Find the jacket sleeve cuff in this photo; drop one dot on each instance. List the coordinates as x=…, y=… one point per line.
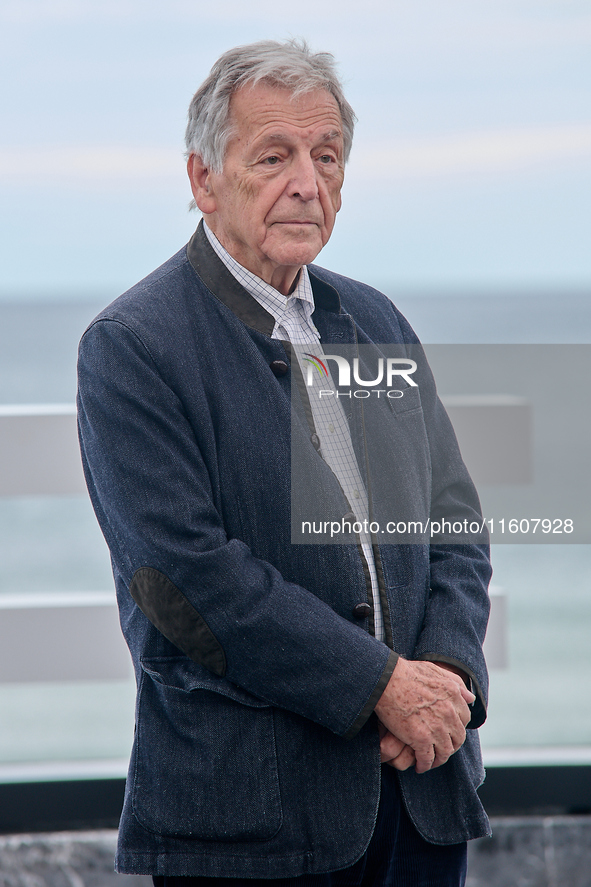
x=374, y=698
x=478, y=707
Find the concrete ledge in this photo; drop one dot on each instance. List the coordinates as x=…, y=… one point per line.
x=63, y=859
x=553, y=851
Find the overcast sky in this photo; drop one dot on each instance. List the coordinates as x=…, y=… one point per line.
x=471, y=168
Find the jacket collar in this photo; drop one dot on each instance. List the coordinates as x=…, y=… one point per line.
x=232, y=294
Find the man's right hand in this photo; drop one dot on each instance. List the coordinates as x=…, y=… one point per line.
x=425, y=707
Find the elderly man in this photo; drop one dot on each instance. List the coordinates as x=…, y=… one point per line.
x=302, y=708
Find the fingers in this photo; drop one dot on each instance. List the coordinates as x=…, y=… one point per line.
x=390, y=746
x=443, y=743
x=405, y=760
x=398, y=754
x=467, y=695
x=430, y=755
x=394, y=752
x=425, y=759
x=444, y=752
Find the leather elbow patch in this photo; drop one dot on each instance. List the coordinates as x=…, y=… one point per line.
x=177, y=619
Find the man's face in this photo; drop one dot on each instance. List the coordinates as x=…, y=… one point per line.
x=273, y=206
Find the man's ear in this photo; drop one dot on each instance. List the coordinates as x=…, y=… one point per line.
x=199, y=176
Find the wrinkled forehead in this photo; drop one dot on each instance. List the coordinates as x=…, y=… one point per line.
x=260, y=106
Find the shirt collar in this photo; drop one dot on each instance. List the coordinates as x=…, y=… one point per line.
x=266, y=295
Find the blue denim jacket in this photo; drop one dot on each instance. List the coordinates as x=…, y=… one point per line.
x=256, y=752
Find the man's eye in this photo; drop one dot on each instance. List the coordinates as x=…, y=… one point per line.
x=272, y=160
x=326, y=158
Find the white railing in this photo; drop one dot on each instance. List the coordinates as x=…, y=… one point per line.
x=39, y=450
x=48, y=636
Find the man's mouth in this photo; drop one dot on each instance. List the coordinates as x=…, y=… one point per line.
x=295, y=222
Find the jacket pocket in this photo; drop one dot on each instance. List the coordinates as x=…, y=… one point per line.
x=204, y=755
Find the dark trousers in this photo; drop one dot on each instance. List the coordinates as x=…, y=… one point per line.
x=397, y=856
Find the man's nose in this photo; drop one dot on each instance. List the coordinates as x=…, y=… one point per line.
x=304, y=183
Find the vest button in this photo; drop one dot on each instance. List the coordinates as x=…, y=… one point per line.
x=350, y=517
x=279, y=367
x=315, y=441
x=361, y=611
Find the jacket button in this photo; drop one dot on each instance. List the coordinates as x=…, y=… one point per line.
x=350, y=517
x=361, y=611
x=279, y=367
x=315, y=441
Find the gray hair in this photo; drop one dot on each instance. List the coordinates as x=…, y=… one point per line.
x=290, y=65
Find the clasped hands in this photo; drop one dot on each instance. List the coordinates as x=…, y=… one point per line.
x=422, y=714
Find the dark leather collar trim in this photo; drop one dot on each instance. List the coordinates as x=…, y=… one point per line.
x=325, y=295
x=226, y=288
x=224, y=285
